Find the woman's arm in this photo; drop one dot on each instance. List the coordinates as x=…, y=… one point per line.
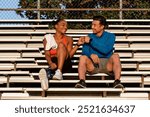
x=48, y=56
x=72, y=50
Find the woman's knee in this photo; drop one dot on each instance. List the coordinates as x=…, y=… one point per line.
x=61, y=46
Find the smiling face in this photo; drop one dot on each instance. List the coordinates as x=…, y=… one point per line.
x=61, y=26
x=97, y=27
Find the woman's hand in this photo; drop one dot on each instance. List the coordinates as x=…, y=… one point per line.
x=53, y=66
x=83, y=40
x=80, y=41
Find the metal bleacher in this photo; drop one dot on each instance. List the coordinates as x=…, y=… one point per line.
x=22, y=56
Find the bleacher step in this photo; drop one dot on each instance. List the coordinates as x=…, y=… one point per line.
x=134, y=95
x=14, y=95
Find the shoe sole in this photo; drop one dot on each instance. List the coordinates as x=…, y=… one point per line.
x=43, y=79
x=119, y=86
x=79, y=86
x=55, y=78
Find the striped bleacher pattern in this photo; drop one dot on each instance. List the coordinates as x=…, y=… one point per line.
x=22, y=56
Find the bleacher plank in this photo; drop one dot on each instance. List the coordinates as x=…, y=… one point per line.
x=23, y=26
x=137, y=89
x=30, y=55
x=22, y=32
x=32, y=65
x=11, y=73
x=129, y=26
x=19, y=49
x=74, y=81
x=134, y=95
x=74, y=20
x=142, y=74
x=14, y=95
x=72, y=31
x=20, y=40
x=17, y=59
x=3, y=89
x=98, y=90
x=77, y=90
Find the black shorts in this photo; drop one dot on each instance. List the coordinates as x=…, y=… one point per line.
x=67, y=67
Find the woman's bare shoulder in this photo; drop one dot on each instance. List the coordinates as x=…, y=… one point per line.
x=69, y=38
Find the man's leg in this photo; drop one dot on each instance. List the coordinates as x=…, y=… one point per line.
x=114, y=65
x=62, y=55
x=85, y=64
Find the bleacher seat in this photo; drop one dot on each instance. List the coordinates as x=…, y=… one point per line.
x=22, y=56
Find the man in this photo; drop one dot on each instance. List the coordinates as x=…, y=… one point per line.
x=97, y=54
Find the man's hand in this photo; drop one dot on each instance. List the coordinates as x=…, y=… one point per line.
x=83, y=40
x=95, y=58
x=86, y=39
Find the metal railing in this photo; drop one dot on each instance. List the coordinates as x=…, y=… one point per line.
x=119, y=12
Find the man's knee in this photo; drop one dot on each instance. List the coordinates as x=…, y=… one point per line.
x=114, y=60
x=83, y=57
x=116, y=57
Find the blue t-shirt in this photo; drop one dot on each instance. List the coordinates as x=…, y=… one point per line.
x=101, y=46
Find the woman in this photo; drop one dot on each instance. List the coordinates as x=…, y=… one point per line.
x=58, y=52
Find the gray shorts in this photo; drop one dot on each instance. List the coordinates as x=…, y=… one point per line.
x=101, y=67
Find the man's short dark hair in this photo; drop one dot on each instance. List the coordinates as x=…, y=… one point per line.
x=101, y=19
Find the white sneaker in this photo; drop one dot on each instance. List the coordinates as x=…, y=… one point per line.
x=44, y=79
x=58, y=75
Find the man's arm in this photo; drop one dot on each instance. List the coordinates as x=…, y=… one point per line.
x=74, y=49
x=86, y=50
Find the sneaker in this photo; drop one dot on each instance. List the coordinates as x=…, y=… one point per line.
x=50, y=73
x=57, y=75
x=44, y=79
x=81, y=84
x=117, y=84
